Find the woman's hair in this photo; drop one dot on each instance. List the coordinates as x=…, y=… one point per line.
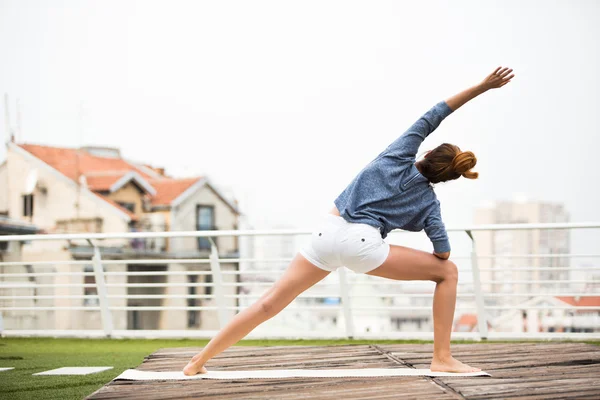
x=446, y=162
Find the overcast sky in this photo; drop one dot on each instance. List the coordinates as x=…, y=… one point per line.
x=281, y=103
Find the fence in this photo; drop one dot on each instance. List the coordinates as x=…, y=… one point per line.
x=474, y=293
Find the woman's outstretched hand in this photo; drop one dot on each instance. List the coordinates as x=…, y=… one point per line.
x=498, y=78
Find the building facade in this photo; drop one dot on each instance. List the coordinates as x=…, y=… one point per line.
x=525, y=262
x=96, y=190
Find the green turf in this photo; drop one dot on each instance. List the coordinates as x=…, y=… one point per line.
x=31, y=355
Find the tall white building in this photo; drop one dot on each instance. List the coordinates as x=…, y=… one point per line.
x=522, y=264
x=512, y=244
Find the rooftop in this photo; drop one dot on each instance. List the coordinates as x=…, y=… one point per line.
x=518, y=370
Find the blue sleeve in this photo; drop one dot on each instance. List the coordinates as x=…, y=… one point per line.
x=407, y=145
x=436, y=231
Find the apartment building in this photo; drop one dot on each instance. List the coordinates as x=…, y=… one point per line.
x=94, y=190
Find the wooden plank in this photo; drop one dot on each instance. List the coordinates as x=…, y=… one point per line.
x=565, y=392
x=354, y=356
x=521, y=370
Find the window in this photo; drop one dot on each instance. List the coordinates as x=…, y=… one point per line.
x=135, y=321
x=89, y=279
x=208, y=290
x=128, y=206
x=193, y=320
x=28, y=205
x=205, y=221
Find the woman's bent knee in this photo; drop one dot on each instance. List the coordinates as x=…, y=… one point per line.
x=451, y=271
x=448, y=272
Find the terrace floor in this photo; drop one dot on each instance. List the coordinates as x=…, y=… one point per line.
x=519, y=371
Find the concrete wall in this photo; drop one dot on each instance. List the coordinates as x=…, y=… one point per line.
x=42, y=319
x=129, y=193
x=63, y=199
x=208, y=319
x=91, y=319
x=184, y=219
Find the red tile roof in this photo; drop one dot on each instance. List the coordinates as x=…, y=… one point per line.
x=468, y=319
x=583, y=301
x=103, y=182
x=102, y=172
x=123, y=209
x=168, y=190
x=73, y=162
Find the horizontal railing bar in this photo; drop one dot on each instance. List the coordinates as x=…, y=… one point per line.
x=558, y=255
x=154, y=261
x=254, y=272
x=200, y=308
x=312, y=334
x=124, y=273
x=543, y=307
x=534, y=281
x=41, y=263
x=136, y=273
x=502, y=269
x=240, y=284
x=158, y=308
x=152, y=235
x=532, y=295
x=30, y=285
x=273, y=232
x=538, y=307
x=307, y=308
x=150, y=261
x=43, y=308
x=302, y=296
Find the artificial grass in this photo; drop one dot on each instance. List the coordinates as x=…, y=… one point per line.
x=31, y=355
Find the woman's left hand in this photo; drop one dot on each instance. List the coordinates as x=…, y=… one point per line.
x=498, y=78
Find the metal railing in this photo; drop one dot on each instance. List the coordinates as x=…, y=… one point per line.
x=342, y=299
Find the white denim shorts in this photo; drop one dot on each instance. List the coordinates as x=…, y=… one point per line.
x=337, y=243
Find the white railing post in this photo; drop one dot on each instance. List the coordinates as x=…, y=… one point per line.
x=107, y=322
x=479, y=301
x=345, y=295
x=215, y=268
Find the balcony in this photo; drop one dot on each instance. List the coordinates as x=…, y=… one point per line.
x=368, y=307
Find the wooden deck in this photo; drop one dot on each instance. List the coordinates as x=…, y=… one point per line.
x=519, y=371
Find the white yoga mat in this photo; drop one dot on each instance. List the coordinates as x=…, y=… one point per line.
x=136, y=375
x=6, y=369
x=74, y=371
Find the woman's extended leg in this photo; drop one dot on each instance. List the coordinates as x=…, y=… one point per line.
x=299, y=276
x=407, y=264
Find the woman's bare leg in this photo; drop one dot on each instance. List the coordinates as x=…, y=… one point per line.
x=407, y=264
x=299, y=276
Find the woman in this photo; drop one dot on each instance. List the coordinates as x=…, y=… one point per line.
x=393, y=192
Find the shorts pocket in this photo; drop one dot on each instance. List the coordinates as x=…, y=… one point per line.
x=361, y=244
x=322, y=243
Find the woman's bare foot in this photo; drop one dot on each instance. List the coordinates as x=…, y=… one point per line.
x=450, y=364
x=194, y=367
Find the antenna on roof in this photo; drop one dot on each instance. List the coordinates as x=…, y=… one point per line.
x=80, y=178
x=9, y=132
x=19, y=133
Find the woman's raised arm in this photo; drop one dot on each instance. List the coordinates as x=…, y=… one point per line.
x=497, y=79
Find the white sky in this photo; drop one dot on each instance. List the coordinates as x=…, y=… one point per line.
x=281, y=103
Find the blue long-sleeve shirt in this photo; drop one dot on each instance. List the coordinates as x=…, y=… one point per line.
x=390, y=192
